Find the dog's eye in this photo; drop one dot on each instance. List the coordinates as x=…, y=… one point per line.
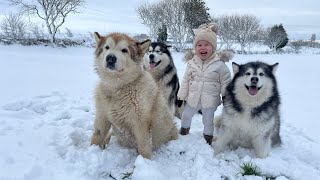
x=261, y=74
x=159, y=52
x=247, y=73
x=124, y=50
x=107, y=47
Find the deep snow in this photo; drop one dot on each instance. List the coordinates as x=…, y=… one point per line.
x=47, y=113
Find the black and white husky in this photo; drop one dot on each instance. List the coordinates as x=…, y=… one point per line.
x=158, y=61
x=250, y=116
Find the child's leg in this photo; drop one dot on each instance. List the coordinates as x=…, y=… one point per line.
x=187, y=115
x=207, y=120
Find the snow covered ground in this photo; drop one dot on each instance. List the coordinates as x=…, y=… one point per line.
x=47, y=112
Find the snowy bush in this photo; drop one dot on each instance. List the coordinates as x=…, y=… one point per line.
x=13, y=27
x=296, y=45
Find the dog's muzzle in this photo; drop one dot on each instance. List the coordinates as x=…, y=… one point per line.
x=111, y=61
x=253, y=89
x=151, y=56
x=152, y=62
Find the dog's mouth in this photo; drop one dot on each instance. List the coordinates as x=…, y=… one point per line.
x=253, y=90
x=154, y=64
x=113, y=69
x=111, y=66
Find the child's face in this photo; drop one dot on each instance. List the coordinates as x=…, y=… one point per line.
x=204, y=49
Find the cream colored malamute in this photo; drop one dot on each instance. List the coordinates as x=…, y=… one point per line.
x=128, y=99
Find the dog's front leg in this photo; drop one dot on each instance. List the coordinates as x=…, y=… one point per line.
x=223, y=139
x=144, y=139
x=101, y=128
x=261, y=146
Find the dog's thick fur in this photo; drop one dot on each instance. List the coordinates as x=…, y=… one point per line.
x=128, y=99
x=158, y=61
x=250, y=116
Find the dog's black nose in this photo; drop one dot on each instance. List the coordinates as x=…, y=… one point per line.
x=254, y=79
x=151, y=56
x=111, y=59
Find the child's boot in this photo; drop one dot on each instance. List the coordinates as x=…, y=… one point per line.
x=208, y=138
x=184, y=131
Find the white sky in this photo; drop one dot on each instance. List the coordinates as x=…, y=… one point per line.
x=300, y=18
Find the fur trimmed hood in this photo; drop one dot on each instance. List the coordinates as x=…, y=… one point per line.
x=224, y=55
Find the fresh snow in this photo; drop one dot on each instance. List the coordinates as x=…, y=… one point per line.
x=47, y=113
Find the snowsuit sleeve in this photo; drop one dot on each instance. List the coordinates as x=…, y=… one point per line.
x=184, y=88
x=225, y=78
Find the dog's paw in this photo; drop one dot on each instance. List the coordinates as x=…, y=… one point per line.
x=217, y=150
x=97, y=140
x=261, y=154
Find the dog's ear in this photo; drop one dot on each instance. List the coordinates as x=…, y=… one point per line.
x=97, y=36
x=144, y=45
x=274, y=68
x=235, y=68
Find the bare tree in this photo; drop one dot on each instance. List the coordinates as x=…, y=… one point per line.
x=53, y=12
x=245, y=29
x=170, y=13
x=13, y=27
x=226, y=34
x=174, y=18
x=297, y=45
x=38, y=32
x=150, y=16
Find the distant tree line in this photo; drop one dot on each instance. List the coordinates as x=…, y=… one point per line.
x=179, y=17
x=169, y=21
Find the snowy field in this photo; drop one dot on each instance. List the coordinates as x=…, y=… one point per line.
x=47, y=113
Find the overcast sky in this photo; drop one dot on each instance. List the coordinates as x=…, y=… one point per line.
x=300, y=18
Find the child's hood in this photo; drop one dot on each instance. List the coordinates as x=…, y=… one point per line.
x=224, y=55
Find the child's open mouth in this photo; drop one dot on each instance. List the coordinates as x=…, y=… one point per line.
x=203, y=53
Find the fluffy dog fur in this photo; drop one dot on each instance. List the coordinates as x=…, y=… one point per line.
x=158, y=61
x=250, y=116
x=127, y=98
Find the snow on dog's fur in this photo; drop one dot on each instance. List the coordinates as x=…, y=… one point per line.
x=128, y=99
x=158, y=61
x=250, y=116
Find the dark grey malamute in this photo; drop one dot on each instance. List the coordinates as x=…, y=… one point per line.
x=250, y=116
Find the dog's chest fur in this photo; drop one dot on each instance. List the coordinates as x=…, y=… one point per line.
x=245, y=126
x=125, y=109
